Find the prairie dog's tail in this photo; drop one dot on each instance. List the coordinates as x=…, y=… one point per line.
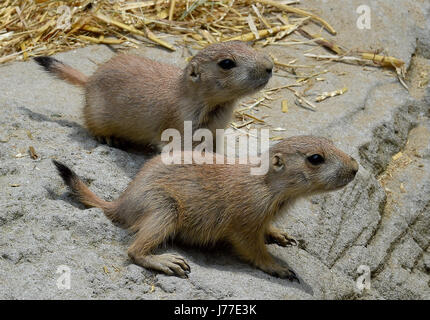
x=62, y=70
x=84, y=194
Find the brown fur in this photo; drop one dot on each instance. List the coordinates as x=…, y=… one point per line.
x=134, y=98
x=205, y=204
x=70, y=75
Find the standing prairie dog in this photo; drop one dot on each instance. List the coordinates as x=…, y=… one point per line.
x=207, y=203
x=135, y=99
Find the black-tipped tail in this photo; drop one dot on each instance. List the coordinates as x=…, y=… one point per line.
x=62, y=71
x=79, y=189
x=46, y=62
x=66, y=173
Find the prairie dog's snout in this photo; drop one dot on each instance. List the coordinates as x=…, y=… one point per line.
x=265, y=65
x=352, y=169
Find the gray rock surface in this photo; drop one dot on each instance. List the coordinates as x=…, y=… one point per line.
x=381, y=220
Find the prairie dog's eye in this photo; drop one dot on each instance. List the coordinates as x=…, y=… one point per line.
x=315, y=159
x=227, y=64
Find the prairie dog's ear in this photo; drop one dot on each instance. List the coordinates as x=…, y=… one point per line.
x=194, y=71
x=278, y=162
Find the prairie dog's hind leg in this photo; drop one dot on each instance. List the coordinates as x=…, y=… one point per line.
x=153, y=230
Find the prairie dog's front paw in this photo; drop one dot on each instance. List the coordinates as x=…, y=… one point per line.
x=280, y=238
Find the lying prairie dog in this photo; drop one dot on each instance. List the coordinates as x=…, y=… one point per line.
x=208, y=203
x=132, y=98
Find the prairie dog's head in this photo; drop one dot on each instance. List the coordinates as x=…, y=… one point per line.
x=306, y=165
x=228, y=70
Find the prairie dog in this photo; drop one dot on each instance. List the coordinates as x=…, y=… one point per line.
x=135, y=99
x=207, y=203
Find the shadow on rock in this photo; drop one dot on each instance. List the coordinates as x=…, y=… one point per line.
x=129, y=157
x=66, y=197
x=79, y=134
x=220, y=257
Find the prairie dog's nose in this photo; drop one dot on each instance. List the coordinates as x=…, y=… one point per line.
x=354, y=166
x=267, y=64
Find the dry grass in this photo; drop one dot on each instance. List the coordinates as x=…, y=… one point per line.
x=31, y=28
